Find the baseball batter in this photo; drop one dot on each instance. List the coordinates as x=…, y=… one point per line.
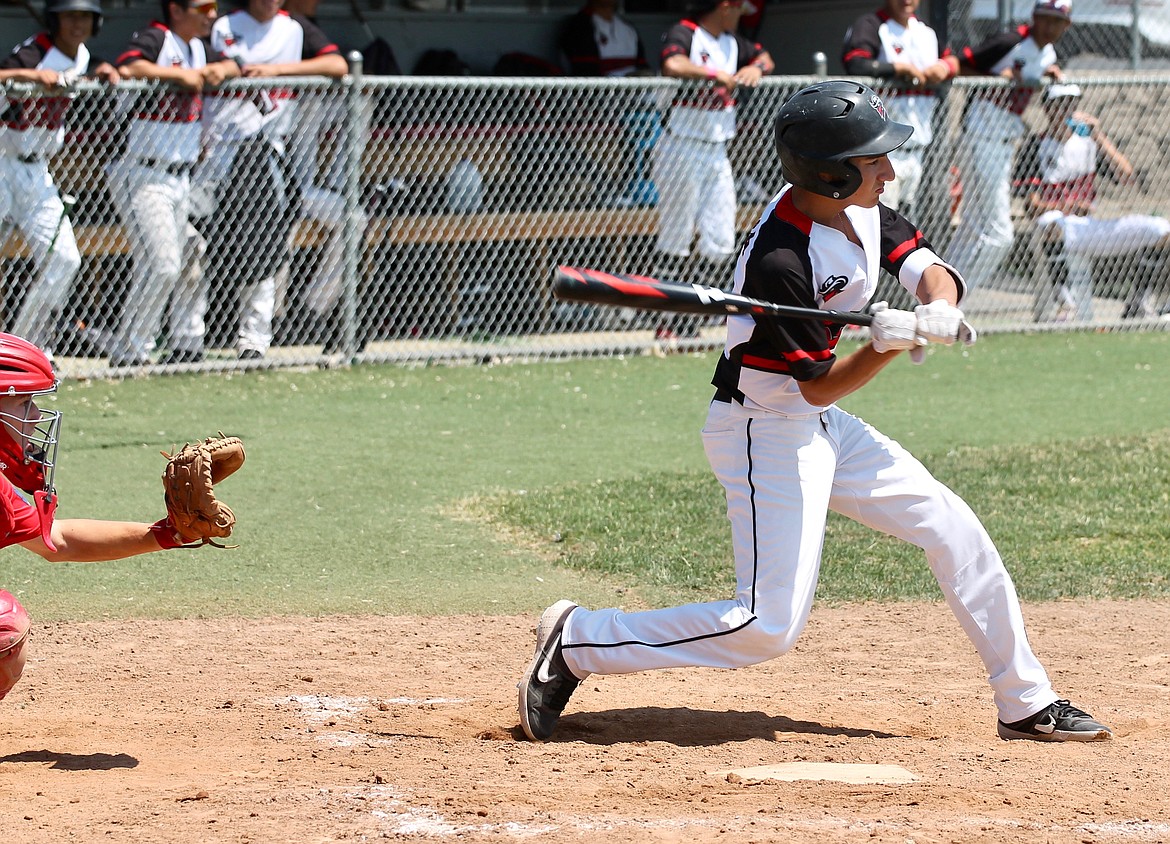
x=151, y=184
x=28, y=455
x=34, y=131
x=696, y=188
x=992, y=128
x=786, y=454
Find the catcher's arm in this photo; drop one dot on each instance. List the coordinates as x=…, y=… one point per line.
x=97, y=540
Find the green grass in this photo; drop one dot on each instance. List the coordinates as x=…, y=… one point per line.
x=1085, y=518
x=366, y=490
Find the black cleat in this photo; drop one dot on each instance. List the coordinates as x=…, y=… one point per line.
x=1059, y=721
x=547, y=684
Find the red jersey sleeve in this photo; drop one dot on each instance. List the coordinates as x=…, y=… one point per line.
x=18, y=518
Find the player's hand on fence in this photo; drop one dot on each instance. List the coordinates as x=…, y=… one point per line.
x=68, y=78
x=893, y=330
x=938, y=322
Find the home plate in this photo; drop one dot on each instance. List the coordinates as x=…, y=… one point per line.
x=832, y=771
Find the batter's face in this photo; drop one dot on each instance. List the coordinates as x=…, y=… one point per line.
x=875, y=172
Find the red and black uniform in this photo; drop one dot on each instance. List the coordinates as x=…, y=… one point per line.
x=791, y=260
x=594, y=46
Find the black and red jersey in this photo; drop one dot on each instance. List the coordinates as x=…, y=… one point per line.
x=791, y=260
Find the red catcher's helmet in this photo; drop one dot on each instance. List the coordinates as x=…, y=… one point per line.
x=28, y=444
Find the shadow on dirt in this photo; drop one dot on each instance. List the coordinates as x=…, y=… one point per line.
x=686, y=727
x=74, y=761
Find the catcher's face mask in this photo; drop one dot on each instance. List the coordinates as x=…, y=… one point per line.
x=28, y=451
x=28, y=441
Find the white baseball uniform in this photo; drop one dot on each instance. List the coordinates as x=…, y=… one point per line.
x=1068, y=171
x=696, y=189
x=33, y=132
x=991, y=129
x=151, y=187
x=234, y=118
x=784, y=463
x=878, y=41
x=322, y=194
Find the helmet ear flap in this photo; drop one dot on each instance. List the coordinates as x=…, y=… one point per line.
x=835, y=179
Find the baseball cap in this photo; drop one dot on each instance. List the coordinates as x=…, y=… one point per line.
x=1061, y=90
x=1054, y=8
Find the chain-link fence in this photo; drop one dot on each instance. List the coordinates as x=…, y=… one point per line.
x=1106, y=34
x=419, y=219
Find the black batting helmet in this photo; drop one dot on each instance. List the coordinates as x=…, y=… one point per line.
x=55, y=7
x=822, y=126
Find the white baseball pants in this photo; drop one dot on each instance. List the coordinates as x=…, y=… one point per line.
x=985, y=231
x=30, y=200
x=902, y=193
x=323, y=290
x=781, y=475
x=1086, y=238
x=153, y=205
x=696, y=190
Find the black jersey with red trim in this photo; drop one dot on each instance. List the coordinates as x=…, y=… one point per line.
x=706, y=113
x=792, y=260
x=593, y=46
x=1016, y=49
x=165, y=124
x=33, y=124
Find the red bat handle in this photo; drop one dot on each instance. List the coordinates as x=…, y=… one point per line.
x=641, y=292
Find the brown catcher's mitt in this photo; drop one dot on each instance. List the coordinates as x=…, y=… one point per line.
x=189, y=480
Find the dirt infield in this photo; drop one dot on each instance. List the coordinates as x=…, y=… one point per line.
x=354, y=729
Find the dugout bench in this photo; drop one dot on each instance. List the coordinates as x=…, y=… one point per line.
x=455, y=237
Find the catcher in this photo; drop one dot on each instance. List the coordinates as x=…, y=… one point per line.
x=28, y=449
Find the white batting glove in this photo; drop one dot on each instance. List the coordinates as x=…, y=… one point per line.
x=938, y=322
x=967, y=333
x=893, y=330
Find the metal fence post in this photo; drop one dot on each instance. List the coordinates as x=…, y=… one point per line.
x=354, y=218
x=1135, y=36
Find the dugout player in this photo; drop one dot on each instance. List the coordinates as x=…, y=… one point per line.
x=893, y=43
x=696, y=188
x=1067, y=156
x=992, y=128
x=33, y=132
x=597, y=41
x=786, y=454
x=28, y=455
x=151, y=184
x=245, y=191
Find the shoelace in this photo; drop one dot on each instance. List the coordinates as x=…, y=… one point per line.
x=1064, y=709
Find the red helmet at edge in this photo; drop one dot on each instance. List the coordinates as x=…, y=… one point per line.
x=27, y=460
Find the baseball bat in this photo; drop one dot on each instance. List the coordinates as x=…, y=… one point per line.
x=577, y=284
